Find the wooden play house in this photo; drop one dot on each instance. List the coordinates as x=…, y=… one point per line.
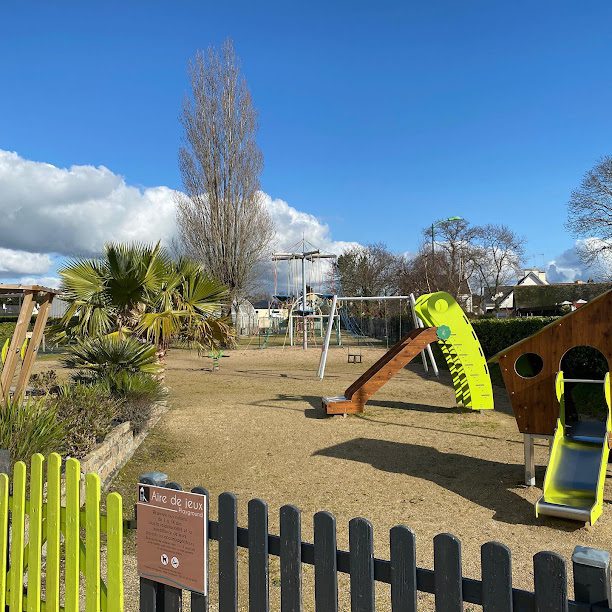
x=17, y=363
x=532, y=396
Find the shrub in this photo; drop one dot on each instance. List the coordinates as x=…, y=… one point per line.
x=45, y=382
x=88, y=413
x=112, y=354
x=30, y=426
x=137, y=392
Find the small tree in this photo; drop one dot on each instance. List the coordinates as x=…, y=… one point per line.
x=498, y=257
x=590, y=215
x=221, y=218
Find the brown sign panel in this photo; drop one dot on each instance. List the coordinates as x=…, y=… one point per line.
x=171, y=537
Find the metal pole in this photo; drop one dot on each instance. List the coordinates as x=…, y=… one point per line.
x=304, y=320
x=328, y=333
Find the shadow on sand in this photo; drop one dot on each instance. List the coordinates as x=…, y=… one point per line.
x=481, y=481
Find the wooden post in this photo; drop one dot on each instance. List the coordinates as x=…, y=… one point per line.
x=10, y=365
x=32, y=350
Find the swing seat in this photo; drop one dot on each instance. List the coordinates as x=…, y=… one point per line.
x=354, y=358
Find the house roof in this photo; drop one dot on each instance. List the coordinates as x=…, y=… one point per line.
x=495, y=358
x=541, y=297
x=260, y=304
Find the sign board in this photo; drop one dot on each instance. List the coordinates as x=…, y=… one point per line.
x=171, y=538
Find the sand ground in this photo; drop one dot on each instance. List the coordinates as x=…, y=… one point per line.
x=255, y=428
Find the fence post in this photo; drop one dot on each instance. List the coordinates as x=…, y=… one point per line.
x=591, y=576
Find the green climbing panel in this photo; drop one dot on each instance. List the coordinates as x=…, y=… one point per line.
x=460, y=347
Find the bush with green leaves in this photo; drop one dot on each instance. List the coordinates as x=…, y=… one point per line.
x=87, y=412
x=31, y=426
x=45, y=382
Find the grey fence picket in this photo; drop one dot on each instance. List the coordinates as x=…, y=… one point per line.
x=325, y=568
x=290, y=559
x=259, y=593
x=361, y=550
x=448, y=576
x=149, y=595
x=228, y=553
x=496, y=564
x=172, y=596
x=199, y=602
x=402, y=545
x=550, y=582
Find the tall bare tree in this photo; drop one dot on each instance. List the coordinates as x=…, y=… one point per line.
x=499, y=256
x=221, y=218
x=590, y=215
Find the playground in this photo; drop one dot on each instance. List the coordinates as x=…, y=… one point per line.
x=256, y=427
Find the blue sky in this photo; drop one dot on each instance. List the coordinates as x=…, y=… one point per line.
x=374, y=119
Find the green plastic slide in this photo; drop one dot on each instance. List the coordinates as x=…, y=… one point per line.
x=461, y=349
x=576, y=472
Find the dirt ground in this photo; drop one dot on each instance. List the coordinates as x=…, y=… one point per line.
x=256, y=428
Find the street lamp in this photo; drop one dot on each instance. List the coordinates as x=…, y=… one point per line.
x=433, y=225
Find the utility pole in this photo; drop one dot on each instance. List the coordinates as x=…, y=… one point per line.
x=304, y=256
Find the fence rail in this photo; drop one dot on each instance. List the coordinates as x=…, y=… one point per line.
x=494, y=592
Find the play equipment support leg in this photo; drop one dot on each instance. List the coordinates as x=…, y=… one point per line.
x=529, y=460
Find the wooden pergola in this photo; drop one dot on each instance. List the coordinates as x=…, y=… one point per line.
x=30, y=296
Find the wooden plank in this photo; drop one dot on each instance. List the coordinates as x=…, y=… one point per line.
x=290, y=559
x=21, y=329
x=403, y=569
x=33, y=346
x=114, y=552
x=326, y=574
x=550, y=582
x=361, y=550
x=4, y=514
x=259, y=598
x=53, y=522
x=447, y=571
x=199, y=602
x=92, y=543
x=71, y=534
x=228, y=553
x=35, y=533
x=496, y=564
x=17, y=538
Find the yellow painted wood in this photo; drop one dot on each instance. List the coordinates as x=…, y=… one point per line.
x=4, y=512
x=35, y=532
x=17, y=538
x=71, y=534
x=92, y=543
x=52, y=523
x=114, y=551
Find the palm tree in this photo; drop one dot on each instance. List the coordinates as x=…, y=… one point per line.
x=138, y=290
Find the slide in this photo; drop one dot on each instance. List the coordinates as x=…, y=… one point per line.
x=574, y=481
x=452, y=330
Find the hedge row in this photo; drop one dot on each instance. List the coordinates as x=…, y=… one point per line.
x=497, y=334
x=6, y=331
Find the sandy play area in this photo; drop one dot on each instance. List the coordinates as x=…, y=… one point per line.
x=255, y=428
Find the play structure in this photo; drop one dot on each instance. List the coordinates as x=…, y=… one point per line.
x=532, y=371
x=447, y=325
x=21, y=350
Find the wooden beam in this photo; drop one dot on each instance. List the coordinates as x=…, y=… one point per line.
x=34, y=344
x=21, y=329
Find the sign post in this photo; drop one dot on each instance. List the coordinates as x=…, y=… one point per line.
x=172, y=537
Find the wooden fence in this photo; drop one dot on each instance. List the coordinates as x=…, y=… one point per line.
x=59, y=528
x=494, y=592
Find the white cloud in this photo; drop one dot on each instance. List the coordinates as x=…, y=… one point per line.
x=568, y=267
x=46, y=281
x=74, y=211
x=14, y=262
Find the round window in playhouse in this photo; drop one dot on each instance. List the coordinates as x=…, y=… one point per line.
x=528, y=365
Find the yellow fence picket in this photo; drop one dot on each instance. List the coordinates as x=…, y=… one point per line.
x=17, y=538
x=35, y=533
x=4, y=512
x=92, y=543
x=71, y=534
x=53, y=522
x=114, y=551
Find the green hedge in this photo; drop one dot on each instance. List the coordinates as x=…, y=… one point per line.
x=497, y=334
x=6, y=331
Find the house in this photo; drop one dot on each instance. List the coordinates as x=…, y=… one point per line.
x=270, y=314
x=504, y=297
